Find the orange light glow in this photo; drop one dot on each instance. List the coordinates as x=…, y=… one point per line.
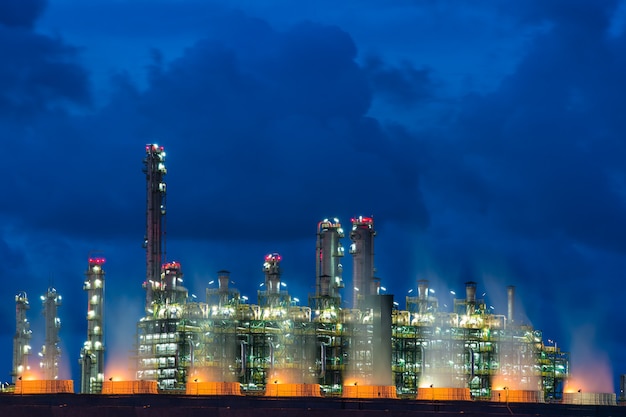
x=590, y=379
x=213, y=388
x=39, y=386
x=31, y=375
x=356, y=390
x=129, y=387
x=118, y=374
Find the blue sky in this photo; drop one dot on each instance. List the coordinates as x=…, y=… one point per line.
x=486, y=141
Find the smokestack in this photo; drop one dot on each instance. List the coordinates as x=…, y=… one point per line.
x=422, y=289
x=510, y=290
x=470, y=292
x=223, y=277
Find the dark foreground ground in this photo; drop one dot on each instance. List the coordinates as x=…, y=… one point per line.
x=57, y=405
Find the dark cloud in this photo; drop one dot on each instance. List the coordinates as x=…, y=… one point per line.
x=270, y=128
x=404, y=86
x=21, y=13
x=41, y=74
x=275, y=116
x=546, y=140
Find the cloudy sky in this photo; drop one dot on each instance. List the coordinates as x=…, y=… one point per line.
x=487, y=142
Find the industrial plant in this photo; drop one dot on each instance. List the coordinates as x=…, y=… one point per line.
x=379, y=348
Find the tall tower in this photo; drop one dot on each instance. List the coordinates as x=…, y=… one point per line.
x=154, y=241
x=362, y=250
x=21, y=347
x=92, y=353
x=328, y=268
x=51, y=352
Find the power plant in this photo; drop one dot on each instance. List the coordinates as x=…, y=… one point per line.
x=377, y=349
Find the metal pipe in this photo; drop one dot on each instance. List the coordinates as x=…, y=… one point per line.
x=423, y=362
x=191, y=348
x=471, y=352
x=510, y=290
x=323, y=360
x=243, y=349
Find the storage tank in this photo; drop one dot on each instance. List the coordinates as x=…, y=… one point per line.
x=212, y=388
x=517, y=396
x=44, y=386
x=589, y=398
x=443, y=394
x=293, y=390
x=112, y=387
x=369, y=391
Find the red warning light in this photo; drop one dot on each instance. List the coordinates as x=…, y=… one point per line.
x=363, y=220
x=171, y=265
x=273, y=257
x=96, y=261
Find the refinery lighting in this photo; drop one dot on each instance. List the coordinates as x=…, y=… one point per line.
x=375, y=348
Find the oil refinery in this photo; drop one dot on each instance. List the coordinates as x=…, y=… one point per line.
x=377, y=349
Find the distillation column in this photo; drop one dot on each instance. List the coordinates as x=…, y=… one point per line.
x=92, y=353
x=21, y=347
x=362, y=250
x=328, y=268
x=154, y=241
x=51, y=352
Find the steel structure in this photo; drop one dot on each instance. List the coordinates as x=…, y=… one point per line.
x=154, y=240
x=92, y=352
x=364, y=282
x=21, y=339
x=51, y=352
